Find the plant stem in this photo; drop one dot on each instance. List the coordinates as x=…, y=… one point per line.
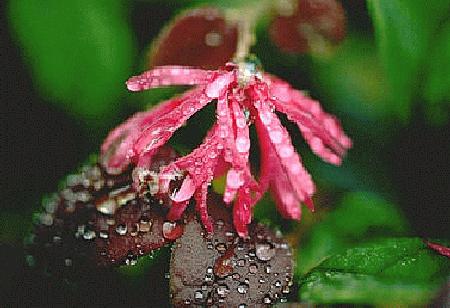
x=246, y=19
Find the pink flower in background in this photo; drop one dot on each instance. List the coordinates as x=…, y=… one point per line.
x=243, y=96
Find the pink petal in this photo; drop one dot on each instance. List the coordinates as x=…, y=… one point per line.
x=177, y=209
x=160, y=130
x=202, y=206
x=200, y=165
x=115, y=149
x=272, y=172
x=443, y=250
x=321, y=130
x=219, y=84
x=167, y=76
x=186, y=191
x=242, y=214
x=278, y=137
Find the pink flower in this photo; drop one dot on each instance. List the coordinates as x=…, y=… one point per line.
x=242, y=96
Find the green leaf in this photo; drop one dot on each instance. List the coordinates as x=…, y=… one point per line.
x=404, y=30
x=359, y=216
x=388, y=271
x=80, y=52
x=437, y=83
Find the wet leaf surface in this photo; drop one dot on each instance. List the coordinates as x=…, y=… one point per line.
x=225, y=270
x=388, y=271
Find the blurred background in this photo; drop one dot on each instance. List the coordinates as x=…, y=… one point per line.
x=63, y=73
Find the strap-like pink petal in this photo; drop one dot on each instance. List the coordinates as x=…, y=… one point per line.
x=200, y=165
x=116, y=148
x=160, y=130
x=168, y=76
x=277, y=136
x=321, y=130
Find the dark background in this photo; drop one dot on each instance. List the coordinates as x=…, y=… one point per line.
x=41, y=142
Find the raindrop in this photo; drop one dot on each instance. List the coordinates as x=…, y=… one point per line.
x=167, y=275
x=209, y=270
x=242, y=288
x=253, y=269
x=264, y=252
x=222, y=290
x=198, y=295
x=134, y=229
x=172, y=230
x=89, y=235
x=221, y=247
x=267, y=299
x=241, y=262
x=68, y=262
x=121, y=229
x=103, y=234
x=268, y=269
x=275, y=136
x=213, y=39
x=242, y=144
x=277, y=284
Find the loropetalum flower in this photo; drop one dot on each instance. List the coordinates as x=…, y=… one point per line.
x=243, y=96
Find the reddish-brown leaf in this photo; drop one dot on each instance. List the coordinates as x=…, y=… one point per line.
x=198, y=37
x=310, y=25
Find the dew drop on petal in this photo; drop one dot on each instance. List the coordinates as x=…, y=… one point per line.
x=286, y=151
x=242, y=144
x=276, y=136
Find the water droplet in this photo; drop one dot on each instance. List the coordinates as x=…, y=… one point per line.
x=103, y=234
x=221, y=247
x=242, y=306
x=209, y=270
x=68, y=262
x=253, y=269
x=187, y=301
x=264, y=252
x=276, y=136
x=167, y=275
x=121, y=229
x=144, y=225
x=198, y=295
x=89, y=235
x=277, y=284
x=172, y=230
x=266, y=117
x=222, y=290
x=29, y=259
x=241, y=262
x=286, y=151
x=134, y=229
x=213, y=39
x=242, y=144
x=209, y=277
x=267, y=299
x=236, y=276
x=219, y=224
x=46, y=219
x=268, y=269
x=242, y=288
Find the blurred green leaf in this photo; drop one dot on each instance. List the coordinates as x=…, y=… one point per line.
x=404, y=30
x=437, y=83
x=354, y=80
x=80, y=52
x=389, y=271
x=358, y=216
